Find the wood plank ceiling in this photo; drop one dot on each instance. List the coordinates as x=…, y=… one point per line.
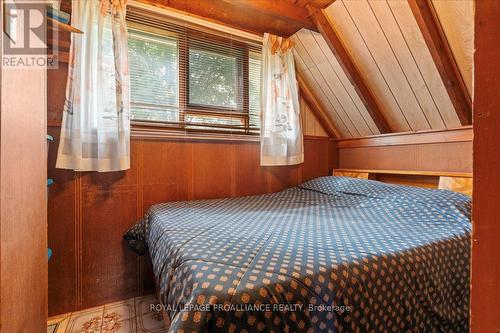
x=457, y=21
x=435, y=38
x=385, y=43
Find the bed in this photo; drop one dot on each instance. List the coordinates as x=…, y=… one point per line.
x=334, y=254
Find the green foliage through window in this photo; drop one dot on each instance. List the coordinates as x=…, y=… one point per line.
x=213, y=78
x=153, y=63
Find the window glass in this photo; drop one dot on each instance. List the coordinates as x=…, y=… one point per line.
x=154, y=76
x=254, y=89
x=213, y=79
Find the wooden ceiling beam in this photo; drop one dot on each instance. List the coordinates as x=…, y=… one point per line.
x=277, y=8
x=435, y=38
x=316, y=108
x=333, y=40
x=279, y=17
x=320, y=4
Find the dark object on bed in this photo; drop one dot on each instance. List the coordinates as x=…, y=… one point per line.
x=334, y=254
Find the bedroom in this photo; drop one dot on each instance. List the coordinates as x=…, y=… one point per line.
x=247, y=165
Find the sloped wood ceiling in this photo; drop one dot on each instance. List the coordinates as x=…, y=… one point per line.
x=322, y=72
x=385, y=42
x=457, y=20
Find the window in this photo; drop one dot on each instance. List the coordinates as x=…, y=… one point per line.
x=154, y=77
x=189, y=78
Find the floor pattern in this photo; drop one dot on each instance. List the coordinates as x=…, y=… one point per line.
x=130, y=316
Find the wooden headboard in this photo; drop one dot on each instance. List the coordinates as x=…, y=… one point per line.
x=453, y=181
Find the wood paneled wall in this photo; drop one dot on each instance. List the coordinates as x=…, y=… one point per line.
x=310, y=123
x=485, y=290
x=89, y=212
x=445, y=150
x=23, y=222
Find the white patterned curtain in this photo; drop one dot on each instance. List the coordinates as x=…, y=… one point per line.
x=281, y=132
x=95, y=131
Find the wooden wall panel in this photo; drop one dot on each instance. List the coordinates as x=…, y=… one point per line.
x=103, y=221
x=212, y=170
x=23, y=205
x=166, y=177
x=485, y=289
x=281, y=177
x=432, y=151
x=310, y=124
x=56, y=97
x=393, y=157
x=62, y=235
x=107, y=264
x=445, y=156
x=249, y=177
x=315, y=161
x=89, y=212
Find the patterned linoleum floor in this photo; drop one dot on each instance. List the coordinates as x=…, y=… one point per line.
x=130, y=316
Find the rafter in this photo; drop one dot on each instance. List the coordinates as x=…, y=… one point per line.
x=320, y=4
x=316, y=108
x=279, y=17
x=277, y=8
x=428, y=22
x=325, y=27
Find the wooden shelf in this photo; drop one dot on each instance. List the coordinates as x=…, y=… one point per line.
x=65, y=27
x=409, y=172
x=453, y=181
x=63, y=45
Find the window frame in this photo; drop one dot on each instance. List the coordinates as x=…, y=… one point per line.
x=242, y=54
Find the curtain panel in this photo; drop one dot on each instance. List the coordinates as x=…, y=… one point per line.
x=95, y=131
x=281, y=130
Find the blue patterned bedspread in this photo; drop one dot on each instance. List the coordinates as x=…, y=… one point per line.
x=334, y=254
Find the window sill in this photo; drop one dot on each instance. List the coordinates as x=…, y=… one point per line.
x=139, y=130
x=177, y=135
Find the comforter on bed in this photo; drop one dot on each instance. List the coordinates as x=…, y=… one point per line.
x=334, y=254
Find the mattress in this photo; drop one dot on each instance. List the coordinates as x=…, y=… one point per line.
x=334, y=254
